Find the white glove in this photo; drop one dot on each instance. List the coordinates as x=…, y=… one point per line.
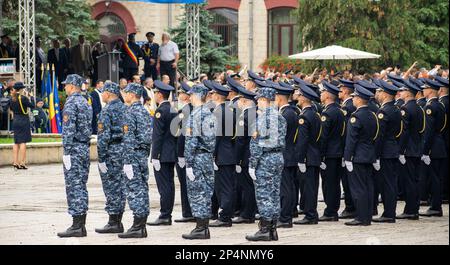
x=302, y=167
x=156, y=164
x=377, y=165
x=323, y=166
x=343, y=162
x=402, y=159
x=190, y=173
x=128, y=169
x=67, y=162
x=238, y=169
x=215, y=167
x=181, y=162
x=426, y=159
x=252, y=173
x=103, y=168
x=349, y=166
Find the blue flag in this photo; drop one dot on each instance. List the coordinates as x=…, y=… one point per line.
x=56, y=101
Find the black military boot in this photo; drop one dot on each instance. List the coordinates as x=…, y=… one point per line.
x=264, y=233
x=137, y=230
x=77, y=229
x=113, y=226
x=201, y=231
x=273, y=230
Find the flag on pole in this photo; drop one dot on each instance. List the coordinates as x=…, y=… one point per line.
x=56, y=101
x=51, y=106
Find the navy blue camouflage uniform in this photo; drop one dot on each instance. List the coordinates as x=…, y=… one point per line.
x=76, y=133
x=136, y=144
x=266, y=156
x=199, y=147
x=110, y=150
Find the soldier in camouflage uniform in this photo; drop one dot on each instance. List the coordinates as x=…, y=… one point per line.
x=266, y=164
x=199, y=147
x=77, y=117
x=110, y=150
x=136, y=145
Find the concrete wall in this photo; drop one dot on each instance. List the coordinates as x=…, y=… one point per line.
x=40, y=153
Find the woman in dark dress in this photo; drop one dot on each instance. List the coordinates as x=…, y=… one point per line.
x=21, y=125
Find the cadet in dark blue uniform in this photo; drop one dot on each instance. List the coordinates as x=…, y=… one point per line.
x=424, y=180
x=308, y=152
x=332, y=151
x=164, y=152
x=387, y=164
x=224, y=158
x=443, y=99
x=373, y=105
x=346, y=89
x=434, y=153
x=411, y=145
x=245, y=128
x=185, y=109
x=360, y=154
x=233, y=97
x=287, y=192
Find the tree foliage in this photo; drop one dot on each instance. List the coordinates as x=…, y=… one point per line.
x=53, y=18
x=401, y=31
x=213, y=57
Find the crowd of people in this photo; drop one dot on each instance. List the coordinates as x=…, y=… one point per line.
x=249, y=146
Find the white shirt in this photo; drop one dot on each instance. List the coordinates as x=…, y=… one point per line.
x=168, y=51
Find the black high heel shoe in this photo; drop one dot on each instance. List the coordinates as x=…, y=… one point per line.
x=16, y=166
x=23, y=167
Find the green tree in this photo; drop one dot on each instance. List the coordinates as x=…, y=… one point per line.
x=53, y=18
x=400, y=31
x=213, y=57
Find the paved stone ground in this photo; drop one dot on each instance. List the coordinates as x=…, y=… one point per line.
x=33, y=210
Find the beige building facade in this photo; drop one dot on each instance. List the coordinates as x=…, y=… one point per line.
x=255, y=29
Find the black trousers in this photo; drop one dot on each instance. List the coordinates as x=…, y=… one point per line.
x=185, y=207
x=247, y=194
x=410, y=181
x=445, y=182
x=331, y=186
x=225, y=191
x=311, y=192
x=361, y=184
x=167, y=69
x=129, y=72
x=424, y=181
x=287, y=193
x=150, y=71
x=386, y=181
x=436, y=170
x=301, y=188
x=348, y=199
x=166, y=188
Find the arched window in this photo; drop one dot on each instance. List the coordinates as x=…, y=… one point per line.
x=111, y=27
x=283, y=32
x=225, y=23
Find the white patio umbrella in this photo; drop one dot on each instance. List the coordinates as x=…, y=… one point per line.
x=334, y=52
